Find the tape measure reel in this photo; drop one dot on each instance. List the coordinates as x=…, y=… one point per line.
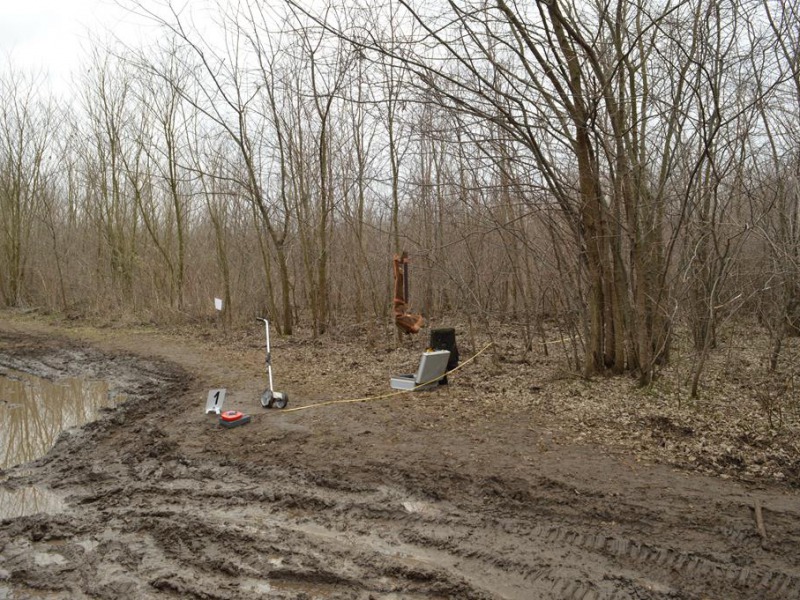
x=231, y=415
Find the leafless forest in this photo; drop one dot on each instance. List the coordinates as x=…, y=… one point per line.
x=610, y=170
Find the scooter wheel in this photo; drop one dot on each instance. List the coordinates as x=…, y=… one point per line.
x=280, y=400
x=266, y=399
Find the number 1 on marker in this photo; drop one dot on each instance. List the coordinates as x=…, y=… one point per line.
x=215, y=400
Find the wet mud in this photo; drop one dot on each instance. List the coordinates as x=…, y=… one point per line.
x=383, y=501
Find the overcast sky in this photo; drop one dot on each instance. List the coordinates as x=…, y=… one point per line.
x=53, y=35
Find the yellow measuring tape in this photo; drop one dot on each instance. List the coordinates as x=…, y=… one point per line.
x=391, y=394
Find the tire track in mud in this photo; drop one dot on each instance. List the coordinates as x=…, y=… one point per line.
x=661, y=562
x=200, y=530
x=287, y=535
x=284, y=537
x=647, y=557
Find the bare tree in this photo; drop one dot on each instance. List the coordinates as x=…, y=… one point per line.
x=106, y=108
x=226, y=87
x=26, y=140
x=598, y=98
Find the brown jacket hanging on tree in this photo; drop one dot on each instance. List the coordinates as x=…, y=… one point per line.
x=405, y=322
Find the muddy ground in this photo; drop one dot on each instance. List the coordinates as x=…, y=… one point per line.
x=480, y=489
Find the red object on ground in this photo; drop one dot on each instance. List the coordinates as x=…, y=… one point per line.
x=231, y=415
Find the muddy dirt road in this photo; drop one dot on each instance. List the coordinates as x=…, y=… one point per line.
x=427, y=496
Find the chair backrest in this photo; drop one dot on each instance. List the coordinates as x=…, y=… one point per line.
x=432, y=366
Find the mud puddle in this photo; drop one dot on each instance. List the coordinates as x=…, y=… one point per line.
x=34, y=412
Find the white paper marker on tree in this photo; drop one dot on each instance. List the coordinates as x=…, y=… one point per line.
x=218, y=303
